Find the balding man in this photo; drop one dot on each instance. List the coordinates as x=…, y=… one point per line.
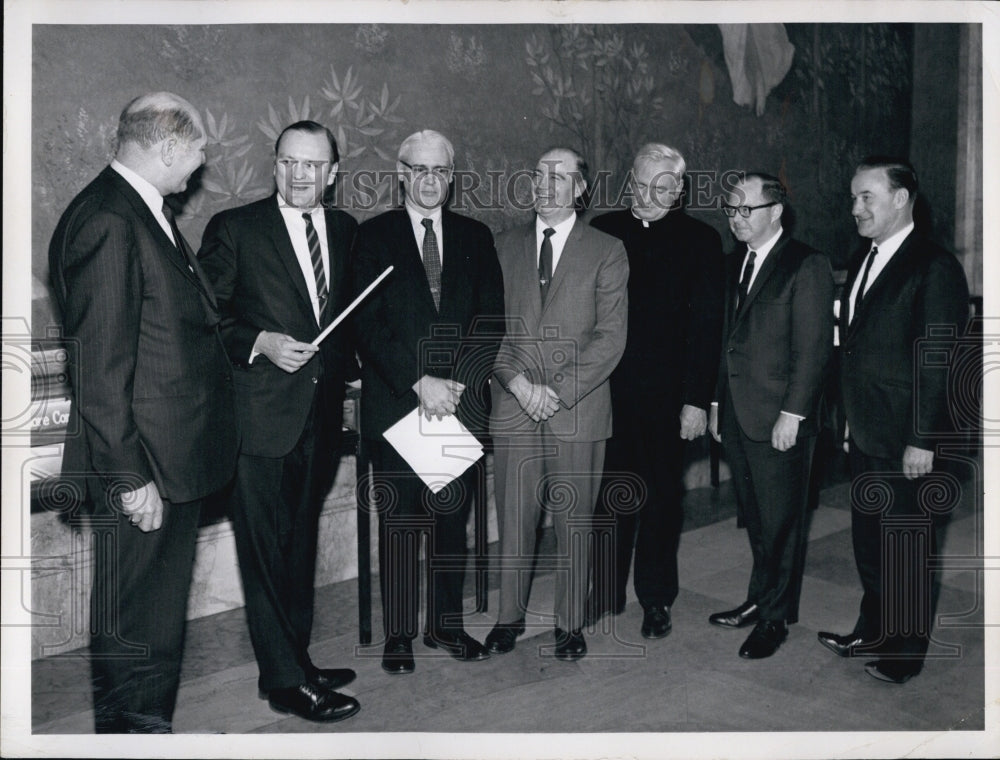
x=153, y=399
x=565, y=289
x=427, y=340
x=661, y=389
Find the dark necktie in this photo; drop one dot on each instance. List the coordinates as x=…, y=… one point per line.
x=863, y=284
x=316, y=254
x=179, y=241
x=545, y=263
x=745, y=279
x=187, y=256
x=432, y=261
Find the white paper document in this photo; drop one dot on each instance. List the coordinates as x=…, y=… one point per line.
x=437, y=450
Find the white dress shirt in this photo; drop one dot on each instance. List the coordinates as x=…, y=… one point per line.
x=419, y=231
x=761, y=255
x=558, y=239
x=149, y=194
x=886, y=251
x=296, y=227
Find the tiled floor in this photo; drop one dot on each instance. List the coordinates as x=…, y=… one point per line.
x=692, y=681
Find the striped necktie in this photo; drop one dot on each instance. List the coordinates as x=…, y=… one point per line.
x=316, y=254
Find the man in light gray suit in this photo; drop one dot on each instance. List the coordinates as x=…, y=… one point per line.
x=565, y=290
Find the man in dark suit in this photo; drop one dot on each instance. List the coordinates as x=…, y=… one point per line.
x=427, y=339
x=661, y=389
x=565, y=288
x=153, y=399
x=776, y=344
x=899, y=287
x=279, y=270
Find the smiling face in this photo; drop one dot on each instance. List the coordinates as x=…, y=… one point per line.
x=762, y=224
x=556, y=184
x=878, y=210
x=303, y=168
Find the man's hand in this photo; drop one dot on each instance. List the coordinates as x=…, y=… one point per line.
x=693, y=422
x=438, y=397
x=917, y=462
x=538, y=401
x=144, y=507
x=784, y=432
x=284, y=351
x=713, y=422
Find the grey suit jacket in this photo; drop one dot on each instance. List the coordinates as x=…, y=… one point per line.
x=572, y=342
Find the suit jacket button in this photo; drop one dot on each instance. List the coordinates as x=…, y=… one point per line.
x=315, y=379
x=730, y=350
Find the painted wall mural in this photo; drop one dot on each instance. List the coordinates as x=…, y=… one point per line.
x=502, y=93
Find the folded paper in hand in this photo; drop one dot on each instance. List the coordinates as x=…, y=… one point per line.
x=437, y=450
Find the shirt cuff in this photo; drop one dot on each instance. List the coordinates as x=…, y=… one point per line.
x=799, y=417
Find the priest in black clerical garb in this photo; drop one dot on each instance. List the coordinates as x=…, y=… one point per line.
x=661, y=389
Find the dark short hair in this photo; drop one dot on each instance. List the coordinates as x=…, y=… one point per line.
x=899, y=171
x=771, y=188
x=150, y=124
x=582, y=168
x=312, y=128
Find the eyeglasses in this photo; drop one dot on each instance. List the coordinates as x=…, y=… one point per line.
x=420, y=171
x=730, y=211
x=290, y=164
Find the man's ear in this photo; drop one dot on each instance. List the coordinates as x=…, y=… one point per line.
x=900, y=197
x=333, y=174
x=579, y=187
x=168, y=151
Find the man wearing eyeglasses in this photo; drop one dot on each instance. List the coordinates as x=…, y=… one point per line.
x=279, y=270
x=776, y=342
x=427, y=339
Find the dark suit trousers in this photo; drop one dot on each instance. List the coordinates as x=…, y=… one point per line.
x=276, y=505
x=640, y=501
x=138, y=608
x=407, y=510
x=772, y=491
x=537, y=472
x=894, y=537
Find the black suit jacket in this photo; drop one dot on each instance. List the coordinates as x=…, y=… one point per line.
x=152, y=387
x=249, y=258
x=401, y=336
x=776, y=350
x=895, y=393
x=675, y=310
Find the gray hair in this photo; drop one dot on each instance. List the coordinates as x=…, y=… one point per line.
x=426, y=135
x=154, y=117
x=660, y=152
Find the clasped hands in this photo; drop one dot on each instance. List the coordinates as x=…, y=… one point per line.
x=438, y=396
x=538, y=401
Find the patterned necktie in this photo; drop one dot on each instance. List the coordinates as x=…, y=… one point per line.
x=864, y=283
x=432, y=261
x=745, y=280
x=190, y=260
x=545, y=263
x=316, y=254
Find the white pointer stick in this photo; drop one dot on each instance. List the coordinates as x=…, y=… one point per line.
x=340, y=317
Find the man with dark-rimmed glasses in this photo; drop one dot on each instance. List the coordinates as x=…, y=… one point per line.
x=776, y=342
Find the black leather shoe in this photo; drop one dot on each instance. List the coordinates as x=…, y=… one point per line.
x=570, y=645
x=312, y=703
x=503, y=636
x=331, y=678
x=593, y=612
x=893, y=671
x=841, y=645
x=744, y=615
x=656, y=622
x=764, y=639
x=459, y=645
x=397, y=657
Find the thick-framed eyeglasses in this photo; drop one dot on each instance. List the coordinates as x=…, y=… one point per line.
x=420, y=171
x=744, y=211
x=291, y=164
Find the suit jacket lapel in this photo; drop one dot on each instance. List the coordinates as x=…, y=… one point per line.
x=275, y=228
x=566, y=262
x=409, y=259
x=758, y=282
x=876, y=286
x=529, y=274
